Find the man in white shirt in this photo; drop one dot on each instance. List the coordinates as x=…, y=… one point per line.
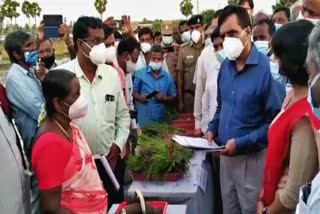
x=209, y=98
x=205, y=62
x=106, y=127
x=146, y=42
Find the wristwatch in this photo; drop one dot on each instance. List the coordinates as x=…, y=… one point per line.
x=265, y=210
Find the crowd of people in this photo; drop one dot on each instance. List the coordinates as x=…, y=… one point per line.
x=251, y=80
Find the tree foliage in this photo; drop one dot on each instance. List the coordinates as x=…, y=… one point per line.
x=9, y=9
x=208, y=16
x=186, y=8
x=234, y=2
x=101, y=6
x=283, y=3
x=27, y=9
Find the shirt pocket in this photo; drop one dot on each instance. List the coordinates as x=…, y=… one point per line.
x=109, y=105
x=189, y=61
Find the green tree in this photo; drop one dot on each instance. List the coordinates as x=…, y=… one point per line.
x=156, y=24
x=101, y=6
x=283, y=3
x=35, y=11
x=9, y=9
x=233, y=2
x=27, y=10
x=186, y=8
x=208, y=16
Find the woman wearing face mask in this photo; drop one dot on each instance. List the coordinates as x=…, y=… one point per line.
x=71, y=184
x=292, y=153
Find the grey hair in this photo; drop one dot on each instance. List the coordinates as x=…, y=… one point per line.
x=293, y=7
x=314, y=47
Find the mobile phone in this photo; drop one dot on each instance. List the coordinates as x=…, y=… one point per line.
x=154, y=93
x=51, y=25
x=169, y=49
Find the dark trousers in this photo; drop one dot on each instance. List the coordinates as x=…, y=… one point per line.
x=114, y=196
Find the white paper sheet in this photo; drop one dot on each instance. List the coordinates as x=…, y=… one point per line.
x=197, y=143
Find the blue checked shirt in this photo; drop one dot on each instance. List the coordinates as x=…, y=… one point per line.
x=248, y=101
x=145, y=83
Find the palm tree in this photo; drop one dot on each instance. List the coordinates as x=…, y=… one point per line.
x=9, y=9
x=27, y=10
x=100, y=6
x=186, y=8
x=35, y=11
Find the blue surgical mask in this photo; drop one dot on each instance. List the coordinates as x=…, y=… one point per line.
x=31, y=58
x=274, y=69
x=262, y=46
x=208, y=42
x=167, y=40
x=155, y=66
x=221, y=56
x=315, y=110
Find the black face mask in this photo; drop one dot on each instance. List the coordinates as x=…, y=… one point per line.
x=48, y=61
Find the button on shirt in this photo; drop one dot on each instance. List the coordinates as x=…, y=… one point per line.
x=247, y=102
x=108, y=118
x=24, y=92
x=145, y=83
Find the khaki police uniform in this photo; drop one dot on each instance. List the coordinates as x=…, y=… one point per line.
x=187, y=61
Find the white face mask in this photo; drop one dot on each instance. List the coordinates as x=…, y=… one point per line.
x=278, y=26
x=97, y=54
x=78, y=109
x=167, y=40
x=196, y=35
x=145, y=47
x=208, y=42
x=111, y=54
x=156, y=66
x=262, y=46
x=233, y=47
x=131, y=67
x=186, y=37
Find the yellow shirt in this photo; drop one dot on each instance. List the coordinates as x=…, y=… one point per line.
x=108, y=118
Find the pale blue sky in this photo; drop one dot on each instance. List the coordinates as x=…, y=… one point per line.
x=138, y=9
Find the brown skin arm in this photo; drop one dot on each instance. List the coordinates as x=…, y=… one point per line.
x=180, y=89
x=165, y=99
x=140, y=98
x=127, y=28
x=63, y=30
x=277, y=207
x=50, y=202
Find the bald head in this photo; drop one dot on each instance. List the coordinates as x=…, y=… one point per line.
x=311, y=9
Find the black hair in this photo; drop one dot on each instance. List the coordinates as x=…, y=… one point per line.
x=183, y=22
x=250, y=2
x=145, y=31
x=217, y=13
x=269, y=22
x=290, y=45
x=14, y=42
x=81, y=28
x=215, y=34
x=127, y=45
x=285, y=10
x=242, y=14
x=156, y=34
x=156, y=49
x=107, y=31
x=118, y=35
x=56, y=84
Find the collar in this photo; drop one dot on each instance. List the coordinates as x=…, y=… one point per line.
x=19, y=68
x=149, y=70
x=194, y=45
x=253, y=58
x=79, y=72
